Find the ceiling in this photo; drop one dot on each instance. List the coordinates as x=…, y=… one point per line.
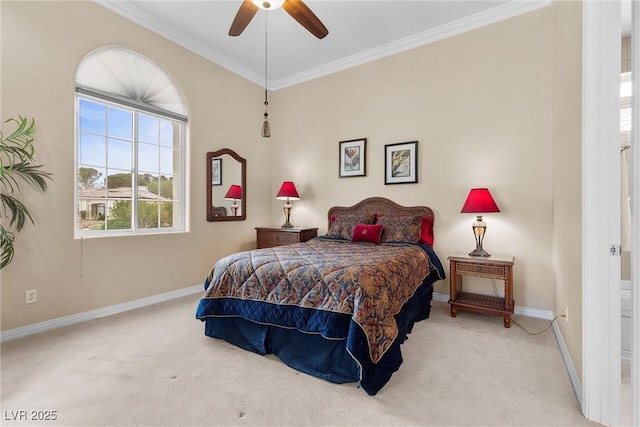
x=359, y=31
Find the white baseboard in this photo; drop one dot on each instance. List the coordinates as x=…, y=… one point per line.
x=571, y=370
x=61, y=322
x=440, y=297
x=547, y=315
x=519, y=310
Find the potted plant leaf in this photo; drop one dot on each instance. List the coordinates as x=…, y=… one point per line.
x=17, y=167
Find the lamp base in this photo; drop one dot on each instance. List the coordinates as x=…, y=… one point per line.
x=479, y=228
x=287, y=215
x=479, y=252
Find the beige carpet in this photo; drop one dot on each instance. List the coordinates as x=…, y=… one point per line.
x=154, y=366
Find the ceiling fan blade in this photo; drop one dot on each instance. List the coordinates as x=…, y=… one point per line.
x=305, y=17
x=243, y=17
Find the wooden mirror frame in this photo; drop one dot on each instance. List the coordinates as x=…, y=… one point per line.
x=243, y=203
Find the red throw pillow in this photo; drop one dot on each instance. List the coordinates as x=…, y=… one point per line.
x=426, y=233
x=343, y=225
x=367, y=233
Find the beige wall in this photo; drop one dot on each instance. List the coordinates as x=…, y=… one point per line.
x=42, y=45
x=480, y=104
x=567, y=174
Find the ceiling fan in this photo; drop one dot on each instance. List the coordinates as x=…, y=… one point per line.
x=296, y=8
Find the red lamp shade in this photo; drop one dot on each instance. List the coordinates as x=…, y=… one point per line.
x=288, y=192
x=234, y=193
x=479, y=200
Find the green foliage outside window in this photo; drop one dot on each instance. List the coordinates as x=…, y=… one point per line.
x=87, y=177
x=120, y=215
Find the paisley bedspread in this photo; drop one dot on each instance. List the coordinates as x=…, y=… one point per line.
x=308, y=285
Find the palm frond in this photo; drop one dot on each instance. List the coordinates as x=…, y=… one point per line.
x=18, y=211
x=20, y=142
x=17, y=166
x=6, y=245
x=32, y=174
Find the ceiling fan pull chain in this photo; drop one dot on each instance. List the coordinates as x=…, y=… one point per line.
x=266, y=51
x=266, y=129
x=266, y=104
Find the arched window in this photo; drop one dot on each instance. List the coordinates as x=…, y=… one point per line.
x=130, y=146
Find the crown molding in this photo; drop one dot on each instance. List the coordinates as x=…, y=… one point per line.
x=499, y=13
x=469, y=23
x=132, y=13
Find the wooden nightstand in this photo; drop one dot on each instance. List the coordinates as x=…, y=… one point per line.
x=267, y=237
x=494, y=267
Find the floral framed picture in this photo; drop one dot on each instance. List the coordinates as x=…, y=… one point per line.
x=401, y=163
x=353, y=158
x=216, y=171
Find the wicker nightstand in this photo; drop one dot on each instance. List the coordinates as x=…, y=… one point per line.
x=267, y=237
x=495, y=267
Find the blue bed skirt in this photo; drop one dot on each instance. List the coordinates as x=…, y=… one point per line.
x=336, y=360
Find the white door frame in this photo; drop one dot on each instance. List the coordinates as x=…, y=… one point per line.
x=601, y=227
x=635, y=216
x=601, y=344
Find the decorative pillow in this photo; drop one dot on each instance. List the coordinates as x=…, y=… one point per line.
x=400, y=228
x=426, y=233
x=343, y=225
x=370, y=233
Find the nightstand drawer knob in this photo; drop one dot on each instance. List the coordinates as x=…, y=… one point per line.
x=478, y=269
x=277, y=239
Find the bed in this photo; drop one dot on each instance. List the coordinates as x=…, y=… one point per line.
x=337, y=306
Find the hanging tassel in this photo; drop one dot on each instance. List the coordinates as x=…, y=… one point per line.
x=266, y=130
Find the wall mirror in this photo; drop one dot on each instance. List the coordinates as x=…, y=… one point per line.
x=226, y=186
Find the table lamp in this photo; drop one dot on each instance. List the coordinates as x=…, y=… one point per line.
x=234, y=193
x=479, y=201
x=287, y=192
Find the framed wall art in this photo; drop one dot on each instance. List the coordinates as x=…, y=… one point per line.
x=216, y=171
x=401, y=163
x=353, y=158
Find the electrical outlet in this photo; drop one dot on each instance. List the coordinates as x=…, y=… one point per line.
x=31, y=296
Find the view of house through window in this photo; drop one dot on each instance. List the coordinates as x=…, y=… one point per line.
x=129, y=173
x=127, y=168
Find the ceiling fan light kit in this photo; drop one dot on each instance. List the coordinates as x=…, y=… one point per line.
x=268, y=5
